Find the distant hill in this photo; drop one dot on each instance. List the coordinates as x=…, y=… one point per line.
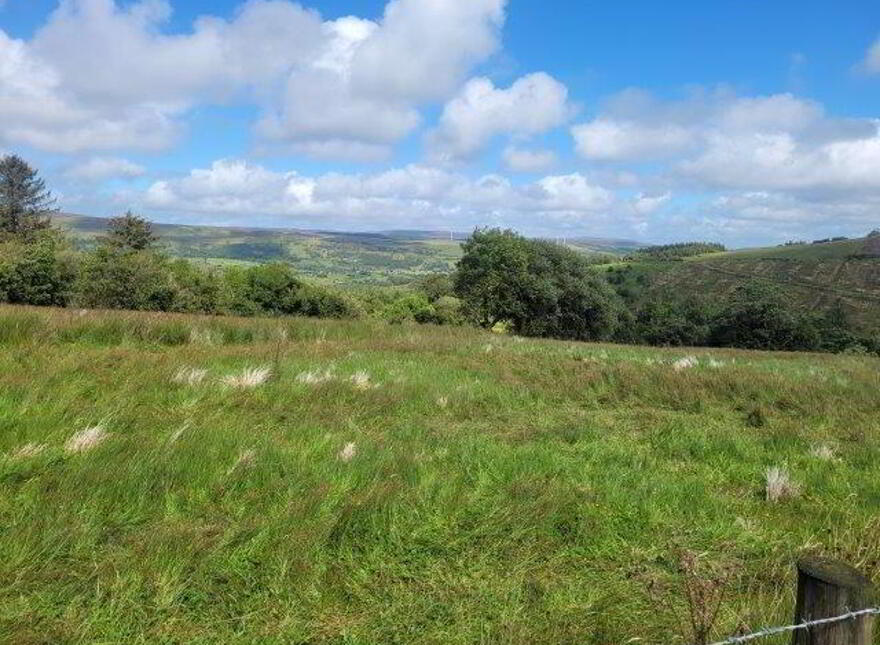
x=815, y=275
x=385, y=257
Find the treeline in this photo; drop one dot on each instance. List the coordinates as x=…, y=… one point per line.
x=127, y=269
x=676, y=251
x=538, y=289
x=503, y=281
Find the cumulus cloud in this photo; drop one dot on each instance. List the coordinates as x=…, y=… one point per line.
x=414, y=195
x=101, y=75
x=100, y=168
x=524, y=160
x=533, y=104
x=722, y=141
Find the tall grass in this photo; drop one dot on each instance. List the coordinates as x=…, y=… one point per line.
x=535, y=504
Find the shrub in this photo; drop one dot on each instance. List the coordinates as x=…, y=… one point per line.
x=118, y=279
x=413, y=307
x=758, y=317
x=38, y=272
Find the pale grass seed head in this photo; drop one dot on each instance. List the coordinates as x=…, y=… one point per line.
x=316, y=377
x=189, y=376
x=443, y=401
x=177, y=434
x=779, y=485
x=348, y=452
x=27, y=451
x=249, y=378
x=823, y=452
x=685, y=363
x=246, y=459
x=361, y=380
x=87, y=439
x=202, y=337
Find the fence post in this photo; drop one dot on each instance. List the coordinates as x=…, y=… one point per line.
x=829, y=588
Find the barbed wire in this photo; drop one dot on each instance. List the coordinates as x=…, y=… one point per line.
x=772, y=631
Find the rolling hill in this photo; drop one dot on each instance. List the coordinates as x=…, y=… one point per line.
x=816, y=275
x=387, y=257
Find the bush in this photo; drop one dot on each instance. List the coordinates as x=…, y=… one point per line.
x=758, y=317
x=120, y=279
x=196, y=290
x=322, y=303
x=39, y=272
x=413, y=307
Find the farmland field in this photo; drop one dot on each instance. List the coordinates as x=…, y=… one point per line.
x=397, y=484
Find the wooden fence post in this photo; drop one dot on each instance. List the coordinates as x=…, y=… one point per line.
x=828, y=588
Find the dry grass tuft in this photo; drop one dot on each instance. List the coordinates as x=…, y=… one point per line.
x=348, y=453
x=189, y=376
x=823, y=452
x=316, y=377
x=779, y=485
x=685, y=363
x=361, y=380
x=28, y=451
x=86, y=439
x=249, y=378
x=200, y=336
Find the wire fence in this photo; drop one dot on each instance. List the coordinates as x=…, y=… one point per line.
x=772, y=631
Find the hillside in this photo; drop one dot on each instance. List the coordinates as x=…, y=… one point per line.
x=816, y=275
x=409, y=484
x=390, y=257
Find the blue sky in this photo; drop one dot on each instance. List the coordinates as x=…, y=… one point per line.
x=743, y=122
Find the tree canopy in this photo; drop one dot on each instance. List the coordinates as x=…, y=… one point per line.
x=130, y=232
x=25, y=203
x=535, y=287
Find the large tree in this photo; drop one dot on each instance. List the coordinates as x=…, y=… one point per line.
x=130, y=233
x=536, y=288
x=25, y=203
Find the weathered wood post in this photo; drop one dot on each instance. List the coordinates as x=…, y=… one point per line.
x=828, y=588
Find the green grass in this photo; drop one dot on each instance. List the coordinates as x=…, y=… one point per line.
x=502, y=491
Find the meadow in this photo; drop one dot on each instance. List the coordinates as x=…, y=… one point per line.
x=182, y=479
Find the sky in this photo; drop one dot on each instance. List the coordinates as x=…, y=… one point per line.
x=739, y=121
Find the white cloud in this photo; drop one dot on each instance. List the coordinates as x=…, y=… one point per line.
x=644, y=204
x=872, y=58
x=101, y=168
x=612, y=140
x=721, y=141
x=534, y=104
x=423, y=49
x=522, y=160
x=100, y=75
x=414, y=195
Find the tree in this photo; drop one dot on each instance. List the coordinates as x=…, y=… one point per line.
x=25, y=203
x=490, y=276
x=757, y=316
x=874, y=233
x=536, y=288
x=130, y=232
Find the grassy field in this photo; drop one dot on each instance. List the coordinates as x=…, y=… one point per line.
x=409, y=484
